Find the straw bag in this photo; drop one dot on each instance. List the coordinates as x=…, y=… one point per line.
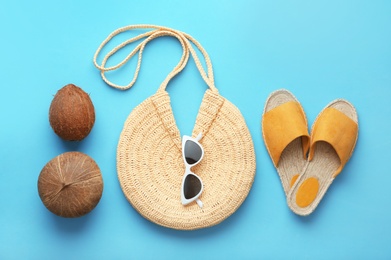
x=150, y=154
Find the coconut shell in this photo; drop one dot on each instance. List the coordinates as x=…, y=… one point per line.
x=71, y=113
x=70, y=185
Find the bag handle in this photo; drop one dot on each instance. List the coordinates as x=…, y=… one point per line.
x=185, y=40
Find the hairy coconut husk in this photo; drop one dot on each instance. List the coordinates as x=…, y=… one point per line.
x=70, y=185
x=72, y=114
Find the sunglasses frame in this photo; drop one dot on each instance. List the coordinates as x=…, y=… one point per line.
x=189, y=172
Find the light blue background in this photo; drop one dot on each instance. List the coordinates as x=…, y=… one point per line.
x=319, y=50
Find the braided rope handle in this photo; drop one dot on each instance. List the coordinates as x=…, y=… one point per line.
x=185, y=40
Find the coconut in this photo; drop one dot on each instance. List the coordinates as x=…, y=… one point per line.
x=72, y=113
x=70, y=185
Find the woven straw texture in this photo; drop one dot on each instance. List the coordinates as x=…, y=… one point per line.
x=149, y=156
x=150, y=164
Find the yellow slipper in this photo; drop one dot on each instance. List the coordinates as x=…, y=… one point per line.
x=333, y=138
x=285, y=133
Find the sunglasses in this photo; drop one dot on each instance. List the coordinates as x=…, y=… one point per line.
x=192, y=185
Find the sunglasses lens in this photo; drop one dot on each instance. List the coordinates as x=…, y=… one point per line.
x=192, y=186
x=193, y=152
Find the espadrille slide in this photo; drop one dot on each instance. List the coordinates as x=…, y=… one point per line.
x=285, y=132
x=333, y=138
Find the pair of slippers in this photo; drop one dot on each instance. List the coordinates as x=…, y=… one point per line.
x=308, y=164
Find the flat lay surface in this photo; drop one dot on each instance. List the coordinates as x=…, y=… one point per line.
x=318, y=51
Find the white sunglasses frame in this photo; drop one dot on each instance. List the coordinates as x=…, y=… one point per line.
x=185, y=201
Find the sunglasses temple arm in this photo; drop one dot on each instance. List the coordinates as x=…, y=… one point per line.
x=199, y=202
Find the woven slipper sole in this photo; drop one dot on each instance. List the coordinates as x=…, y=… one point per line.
x=292, y=162
x=313, y=184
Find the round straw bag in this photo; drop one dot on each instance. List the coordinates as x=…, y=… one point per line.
x=150, y=161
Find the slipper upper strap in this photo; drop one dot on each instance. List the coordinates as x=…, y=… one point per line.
x=283, y=124
x=337, y=129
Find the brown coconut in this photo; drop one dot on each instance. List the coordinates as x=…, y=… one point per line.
x=72, y=114
x=70, y=185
